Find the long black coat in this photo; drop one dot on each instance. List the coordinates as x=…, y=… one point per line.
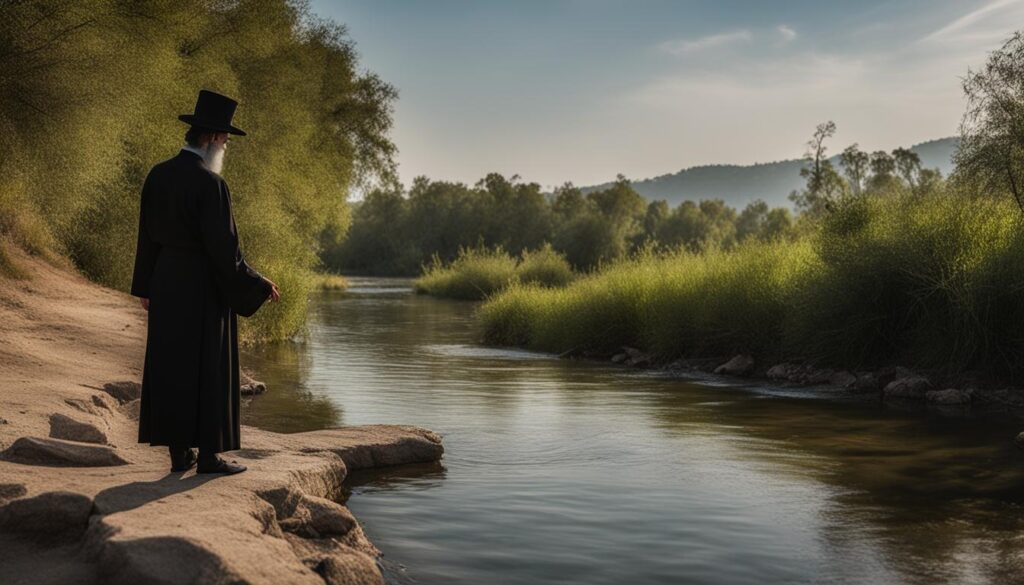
x=188, y=264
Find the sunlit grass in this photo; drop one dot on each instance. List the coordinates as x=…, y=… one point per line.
x=477, y=273
x=935, y=282
x=330, y=281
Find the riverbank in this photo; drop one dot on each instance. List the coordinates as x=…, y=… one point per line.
x=82, y=502
x=928, y=282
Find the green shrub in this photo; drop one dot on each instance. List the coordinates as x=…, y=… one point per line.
x=934, y=281
x=478, y=273
x=475, y=274
x=545, y=267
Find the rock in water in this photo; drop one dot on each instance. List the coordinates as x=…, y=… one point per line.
x=949, y=396
x=65, y=427
x=843, y=379
x=866, y=382
x=58, y=453
x=783, y=371
x=908, y=387
x=250, y=386
x=636, y=357
x=327, y=517
x=349, y=568
x=741, y=365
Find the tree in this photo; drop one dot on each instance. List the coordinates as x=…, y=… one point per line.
x=992, y=130
x=908, y=165
x=824, y=184
x=883, y=171
x=856, y=164
x=751, y=220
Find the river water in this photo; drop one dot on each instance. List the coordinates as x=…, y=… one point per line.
x=563, y=471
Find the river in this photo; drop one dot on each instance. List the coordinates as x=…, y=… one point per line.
x=565, y=471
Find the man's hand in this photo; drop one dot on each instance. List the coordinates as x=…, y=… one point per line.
x=274, y=293
x=145, y=303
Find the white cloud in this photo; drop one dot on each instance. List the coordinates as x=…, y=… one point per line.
x=786, y=33
x=681, y=47
x=993, y=20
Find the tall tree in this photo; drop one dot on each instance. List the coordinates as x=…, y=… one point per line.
x=856, y=165
x=824, y=184
x=992, y=130
x=908, y=165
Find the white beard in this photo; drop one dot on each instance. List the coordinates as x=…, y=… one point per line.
x=214, y=157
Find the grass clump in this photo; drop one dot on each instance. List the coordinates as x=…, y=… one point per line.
x=331, y=281
x=478, y=273
x=475, y=274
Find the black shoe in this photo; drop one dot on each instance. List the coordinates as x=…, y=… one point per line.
x=183, y=459
x=218, y=465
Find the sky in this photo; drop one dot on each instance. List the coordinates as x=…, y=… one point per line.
x=582, y=90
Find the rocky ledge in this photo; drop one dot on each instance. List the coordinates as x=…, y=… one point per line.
x=76, y=509
x=81, y=502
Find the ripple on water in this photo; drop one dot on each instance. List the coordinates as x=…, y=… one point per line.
x=564, y=471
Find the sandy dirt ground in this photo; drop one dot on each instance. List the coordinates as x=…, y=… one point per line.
x=82, y=502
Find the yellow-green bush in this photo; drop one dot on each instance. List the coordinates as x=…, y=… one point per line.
x=545, y=267
x=89, y=104
x=477, y=273
x=474, y=274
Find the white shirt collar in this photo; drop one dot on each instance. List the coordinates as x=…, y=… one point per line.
x=191, y=148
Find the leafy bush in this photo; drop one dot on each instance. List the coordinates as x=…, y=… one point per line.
x=475, y=274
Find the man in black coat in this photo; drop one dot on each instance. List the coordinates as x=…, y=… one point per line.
x=193, y=280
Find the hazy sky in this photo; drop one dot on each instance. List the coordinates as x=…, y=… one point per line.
x=579, y=90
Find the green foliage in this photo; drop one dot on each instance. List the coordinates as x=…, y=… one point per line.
x=329, y=281
x=544, y=267
x=477, y=273
x=933, y=282
x=89, y=97
x=991, y=152
x=395, y=234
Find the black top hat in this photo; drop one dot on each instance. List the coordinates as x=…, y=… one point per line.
x=213, y=112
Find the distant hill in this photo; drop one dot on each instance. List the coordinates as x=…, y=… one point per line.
x=739, y=185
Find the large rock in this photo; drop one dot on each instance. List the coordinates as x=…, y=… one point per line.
x=636, y=357
x=843, y=379
x=888, y=374
x=65, y=427
x=949, y=396
x=913, y=387
x=58, y=453
x=741, y=365
x=866, y=382
x=783, y=371
x=123, y=391
x=327, y=517
x=49, y=516
x=319, y=517
x=349, y=568
x=816, y=376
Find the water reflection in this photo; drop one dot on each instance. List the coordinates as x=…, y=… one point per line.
x=574, y=472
